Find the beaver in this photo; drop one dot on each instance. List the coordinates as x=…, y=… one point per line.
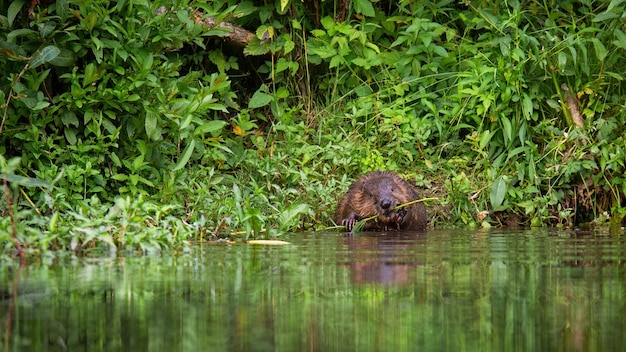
x=378, y=193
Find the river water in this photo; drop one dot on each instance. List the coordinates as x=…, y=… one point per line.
x=462, y=290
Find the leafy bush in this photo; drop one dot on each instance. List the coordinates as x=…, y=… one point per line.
x=507, y=111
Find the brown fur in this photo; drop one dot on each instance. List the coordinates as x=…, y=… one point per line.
x=378, y=193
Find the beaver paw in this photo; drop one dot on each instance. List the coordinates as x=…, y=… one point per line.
x=349, y=222
x=400, y=215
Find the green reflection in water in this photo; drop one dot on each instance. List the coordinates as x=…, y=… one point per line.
x=442, y=291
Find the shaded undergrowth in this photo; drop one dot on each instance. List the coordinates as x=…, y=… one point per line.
x=136, y=125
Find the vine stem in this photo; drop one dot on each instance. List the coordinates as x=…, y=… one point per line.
x=6, y=107
x=18, y=245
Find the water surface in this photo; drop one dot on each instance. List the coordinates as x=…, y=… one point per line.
x=436, y=291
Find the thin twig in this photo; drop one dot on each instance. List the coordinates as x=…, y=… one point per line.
x=18, y=245
x=217, y=230
x=6, y=107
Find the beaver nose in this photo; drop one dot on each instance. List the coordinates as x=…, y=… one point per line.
x=385, y=204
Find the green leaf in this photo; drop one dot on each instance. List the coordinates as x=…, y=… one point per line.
x=120, y=177
x=604, y=16
x=290, y=215
x=599, y=49
x=210, y=127
x=522, y=133
x=324, y=51
x=328, y=23
x=498, y=191
x=185, y=122
x=70, y=135
x=364, y=7
x=359, y=61
x=400, y=40
x=256, y=47
x=109, y=126
x=146, y=182
x=14, y=9
x=485, y=138
x=215, y=106
x=184, y=158
x=614, y=75
x=621, y=39
x=12, y=50
x=134, y=179
x=373, y=47
x=363, y=91
x=265, y=32
x=516, y=151
x=415, y=50
x=282, y=93
x=115, y=159
x=614, y=3
x=64, y=59
x=282, y=65
x=69, y=119
x=553, y=104
x=63, y=8
x=527, y=104
x=183, y=17
x=507, y=130
x=317, y=33
x=335, y=61
x=91, y=74
x=91, y=20
x=259, y=99
x=137, y=163
x=440, y=51
x=288, y=46
x=133, y=97
x=151, y=125
x=11, y=37
x=120, y=5
x=27, y=181
x=147, y=61
x=46, y=28
x=46, y=55
x=41, y=105
x=490, y=18
x=562, y=58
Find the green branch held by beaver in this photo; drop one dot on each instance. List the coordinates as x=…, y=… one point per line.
x=360, y=225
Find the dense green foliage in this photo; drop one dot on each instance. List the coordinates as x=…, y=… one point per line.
x=129, y=123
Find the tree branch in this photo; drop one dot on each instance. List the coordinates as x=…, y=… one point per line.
x=237, y=36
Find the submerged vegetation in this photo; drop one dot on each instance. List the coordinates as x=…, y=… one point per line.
x=144, y=124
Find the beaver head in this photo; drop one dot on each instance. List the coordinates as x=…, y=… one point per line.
x=383, y=195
